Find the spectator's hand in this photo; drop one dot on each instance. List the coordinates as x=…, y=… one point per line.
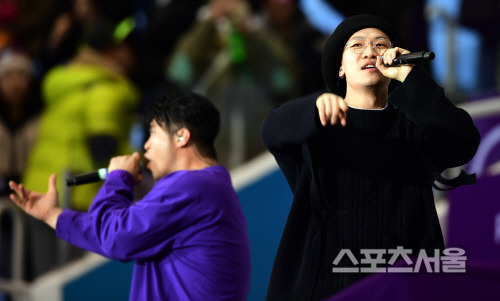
x=398, y=73
x=128, y=163
x=331, y=109
x=41, y=206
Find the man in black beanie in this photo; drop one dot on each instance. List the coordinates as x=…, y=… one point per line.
x=361, y=160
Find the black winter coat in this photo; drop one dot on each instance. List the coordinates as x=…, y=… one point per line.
x=364, y=186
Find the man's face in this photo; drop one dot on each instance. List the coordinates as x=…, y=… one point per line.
x=359, y=68
x=160, y=151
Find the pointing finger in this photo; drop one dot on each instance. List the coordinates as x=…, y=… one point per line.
x=335, y=111
x=321, y=111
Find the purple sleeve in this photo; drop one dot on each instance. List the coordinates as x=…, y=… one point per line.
x=76, y=228
x=171, y=214
x=156, y=223
x=79, y=228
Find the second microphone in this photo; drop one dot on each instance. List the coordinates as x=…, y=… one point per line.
x=413, y=58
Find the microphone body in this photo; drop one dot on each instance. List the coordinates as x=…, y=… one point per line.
x=89, y=177
x=93, y=176
x=413, y=58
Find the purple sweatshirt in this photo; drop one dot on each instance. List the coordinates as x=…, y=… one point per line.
x=188, y=235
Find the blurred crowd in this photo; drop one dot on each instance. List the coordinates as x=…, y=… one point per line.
x=76, y=75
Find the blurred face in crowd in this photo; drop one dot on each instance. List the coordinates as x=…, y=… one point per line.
x=281, y=12
x=84, y=10
x=14, y=86
x=123, y=54
x=223, y=8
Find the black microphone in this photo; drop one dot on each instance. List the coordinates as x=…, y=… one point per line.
x=89, y=177
x=93, y=176
x=413, y=58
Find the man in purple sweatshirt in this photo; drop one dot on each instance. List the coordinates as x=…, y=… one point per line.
x=188, y=235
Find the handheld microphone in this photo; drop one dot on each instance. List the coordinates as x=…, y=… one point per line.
x=93, y=176
x=89, y=177
x=413, y=58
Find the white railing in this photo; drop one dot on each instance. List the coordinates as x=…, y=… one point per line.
x=15, y=286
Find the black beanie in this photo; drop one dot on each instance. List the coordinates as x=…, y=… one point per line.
x=334, y=47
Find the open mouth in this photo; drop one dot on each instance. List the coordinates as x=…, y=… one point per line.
x=370, y=66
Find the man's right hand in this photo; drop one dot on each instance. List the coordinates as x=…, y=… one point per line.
x=128, y=163
x=331, y=109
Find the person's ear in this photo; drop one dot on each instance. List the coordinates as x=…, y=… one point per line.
x=182, y=137
x=341, y=72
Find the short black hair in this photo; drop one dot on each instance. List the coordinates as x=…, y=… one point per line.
x=192, y=111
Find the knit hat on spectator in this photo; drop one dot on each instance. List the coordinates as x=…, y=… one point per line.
x=15, y=61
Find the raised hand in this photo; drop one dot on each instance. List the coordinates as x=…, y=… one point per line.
x=43, y=206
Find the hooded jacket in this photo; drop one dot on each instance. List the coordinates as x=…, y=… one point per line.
x=83, y=99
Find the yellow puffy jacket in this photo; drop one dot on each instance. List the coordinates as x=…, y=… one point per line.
x=81, y=101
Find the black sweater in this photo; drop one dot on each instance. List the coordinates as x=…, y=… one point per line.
x=363, y=186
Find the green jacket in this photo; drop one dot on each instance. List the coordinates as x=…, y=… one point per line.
x=81, y=101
